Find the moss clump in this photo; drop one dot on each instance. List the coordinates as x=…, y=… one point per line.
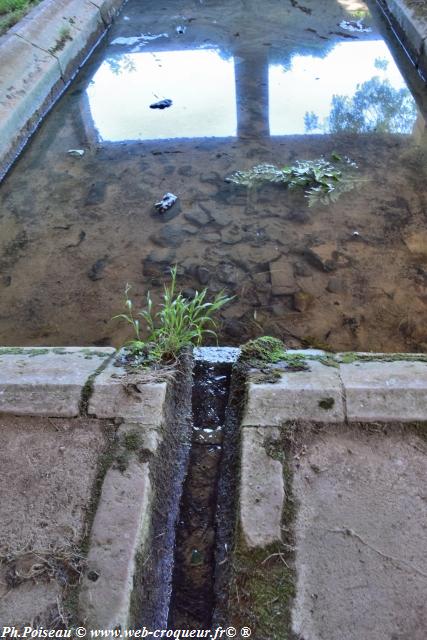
x=262, y=592
x=18, y=351
x=326, y=403
x=315, y=343
x=132, y=441
x=350, y=357
x=265, y=349
x=263, y=580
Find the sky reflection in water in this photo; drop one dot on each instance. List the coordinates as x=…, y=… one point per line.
x=200, y=83
x=356, y=87
x=371, y=94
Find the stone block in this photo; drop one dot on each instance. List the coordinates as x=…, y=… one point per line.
x=118, y=534
x=47, y=381
x=118, y=395
x=385, y=391
x=65, y=28
x=28, y=77
x=262, y=491
x=298, y=395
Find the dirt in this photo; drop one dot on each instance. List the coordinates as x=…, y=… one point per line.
x=48, y=467
x=75, y=230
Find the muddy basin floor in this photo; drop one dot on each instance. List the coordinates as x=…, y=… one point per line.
x=250, y=83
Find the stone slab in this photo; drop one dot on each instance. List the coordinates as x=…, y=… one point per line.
x=298, y=395
x=118, y=395
x=27, y=77
x=36, y=61
x=360, y=536
x=378, y=391
x=412, y=19
x=47, y=381
x=262, y=491
x=118, y=534
x=65, y=28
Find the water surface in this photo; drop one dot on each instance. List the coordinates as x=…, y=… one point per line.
x=273, y=82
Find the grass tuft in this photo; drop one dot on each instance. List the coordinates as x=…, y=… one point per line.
x=11, y=11
x=177, y=324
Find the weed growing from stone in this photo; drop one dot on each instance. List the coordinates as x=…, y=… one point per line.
x=177, y=324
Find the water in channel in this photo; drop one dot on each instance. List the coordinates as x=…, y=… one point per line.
x=193, y=591
x=251, y=82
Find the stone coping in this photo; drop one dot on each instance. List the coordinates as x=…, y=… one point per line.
x=38, y=57
x=343, y=387
x=409, y=17
x=346, y=387
x=72, y=381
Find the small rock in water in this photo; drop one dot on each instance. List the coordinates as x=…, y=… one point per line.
x=166, y=202
x=161, y=104
x=76, y=153
x=180, y=29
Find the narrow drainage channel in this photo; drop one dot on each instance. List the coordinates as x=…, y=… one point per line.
x=193, y=594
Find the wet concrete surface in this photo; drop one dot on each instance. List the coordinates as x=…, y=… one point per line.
x=250, y=83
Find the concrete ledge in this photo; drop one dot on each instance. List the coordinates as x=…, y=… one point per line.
x=262, y=491
x=355, y=387
x=67, y=29
x=118, y=533
x=29, y=79
x=298, y=395
x=117, y=395
x=47, y=381
x=38, y=56
x=385, y=391
x=410, y=17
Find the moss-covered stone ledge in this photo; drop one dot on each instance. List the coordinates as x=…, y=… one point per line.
x=354, y=387
x=38, y=57
x=49, y=381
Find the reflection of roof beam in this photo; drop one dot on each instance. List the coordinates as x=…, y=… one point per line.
x=251, y=74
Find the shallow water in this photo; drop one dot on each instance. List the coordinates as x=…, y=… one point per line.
x=250, y=83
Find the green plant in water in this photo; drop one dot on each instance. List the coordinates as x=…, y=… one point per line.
x=322, y=180
x=178, y=323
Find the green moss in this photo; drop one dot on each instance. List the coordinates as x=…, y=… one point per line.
x=64, y=35
x=266, y=376
x=315, y=343
x=263, y=580
x=264, y=349
x=18, y=351
x=262, y=591
x=350, y=357
x=105, y=461
x=132, y=441
x=326, y=403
